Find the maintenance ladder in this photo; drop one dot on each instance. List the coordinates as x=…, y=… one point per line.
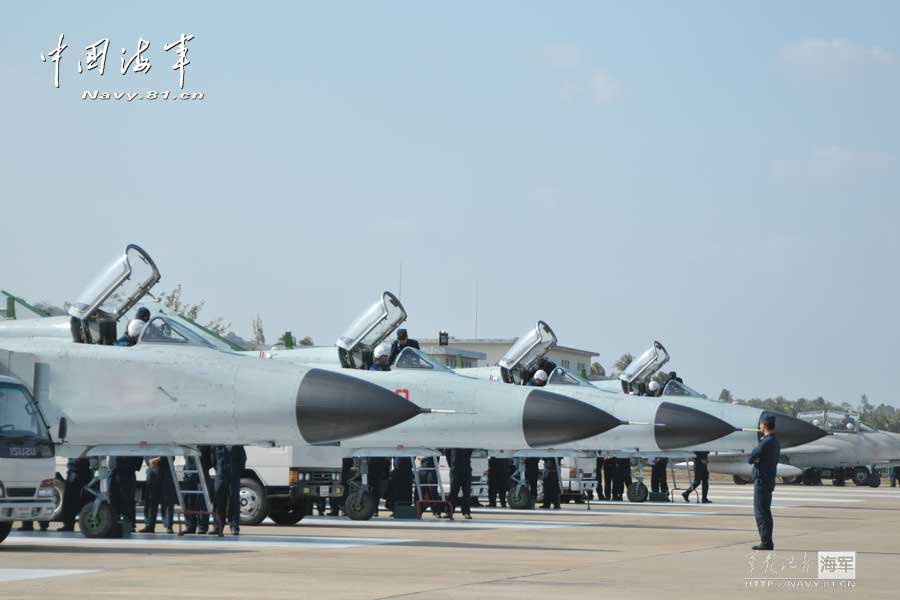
x=430, y=493
x=192, y=467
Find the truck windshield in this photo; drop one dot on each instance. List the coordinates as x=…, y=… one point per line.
x=19, y=416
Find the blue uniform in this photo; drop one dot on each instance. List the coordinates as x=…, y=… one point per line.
x=230, y=463
x=764, y=459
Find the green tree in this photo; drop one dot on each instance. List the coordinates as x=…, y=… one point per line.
x=174, y=301
x=597, y=370
x=725, y=395
x=623, y=362
x=307, y=341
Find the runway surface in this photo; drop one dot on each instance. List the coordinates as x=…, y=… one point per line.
x=608, y=550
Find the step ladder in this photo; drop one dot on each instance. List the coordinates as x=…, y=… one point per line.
x=689, y=463
x=192, y=467
x=435, y=489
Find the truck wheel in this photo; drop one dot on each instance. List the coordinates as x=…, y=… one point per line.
x=860, y=476
x=738, y=480
x=520, y=498
x=360, y=506
x=5, y=528
x=290, y=515
x=253, y=502
x=637, y=492
x=875, y=479
x=99, y=525
x=60, y=486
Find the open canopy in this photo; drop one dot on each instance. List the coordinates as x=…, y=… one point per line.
x=833, y=421
x=118, y=287
x=644, y=366
x=374, y=325
x=530, y=348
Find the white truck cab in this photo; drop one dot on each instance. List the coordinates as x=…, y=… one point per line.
x=27, y=489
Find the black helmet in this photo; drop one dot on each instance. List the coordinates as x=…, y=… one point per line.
x=143, y=313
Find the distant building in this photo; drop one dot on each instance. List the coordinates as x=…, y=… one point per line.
x=484, y=352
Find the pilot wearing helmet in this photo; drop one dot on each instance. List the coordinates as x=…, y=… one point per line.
x=653, y=389
x=130, y=338
x=539, y=379
x=382, y=359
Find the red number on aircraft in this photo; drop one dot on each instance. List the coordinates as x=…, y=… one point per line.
x=403, y=392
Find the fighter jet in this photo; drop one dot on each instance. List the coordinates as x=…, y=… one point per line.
x=731, y=429
x=853, y=451
x=650, y=426
x=173, y=389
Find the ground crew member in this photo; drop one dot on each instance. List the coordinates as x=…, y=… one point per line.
x=337, y=504
x=598, y=471
x=78, y=475
x=531, y=477
x=893, y=476
x=403, y=340
x=701, y=478
x=461, y=479
x=230, y=463
x=382, y=360
x=498, y=480
x=29, y=526
x=161, y=495
x=609, y=476
x=124, y=483
x=764, y=459
x=402, y=481
x=658, y=481
x=551, y=484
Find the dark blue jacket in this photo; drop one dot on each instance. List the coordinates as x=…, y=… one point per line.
x=764, y=458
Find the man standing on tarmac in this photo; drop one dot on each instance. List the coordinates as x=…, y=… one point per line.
x=764, y=459
x=498, y=480
x=551, y=484
x=461, y=478
x=701, y=478
x=658, y=481
x=78, y=475
x=230, y=463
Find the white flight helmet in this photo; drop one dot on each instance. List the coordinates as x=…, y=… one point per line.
x=380, y=351
x=654, y=386
x=540, y=375
x=135, y=328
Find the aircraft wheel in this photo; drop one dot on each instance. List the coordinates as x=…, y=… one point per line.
x=5, y=528
x=861, y=476
x=360, y=506
x=520, y=498
x=738, y=480
x=637, y=492
x=290, y=515
x=254, y=504
x=99, y=525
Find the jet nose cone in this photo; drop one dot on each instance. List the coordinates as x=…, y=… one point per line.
x=551, y=419
x=682, y=427
x=792, y=431
x=333, y=407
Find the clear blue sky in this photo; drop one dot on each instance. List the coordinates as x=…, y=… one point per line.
x=719, y=176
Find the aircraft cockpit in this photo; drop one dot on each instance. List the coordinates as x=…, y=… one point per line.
x=411, y=358
x=561, y=376
x=111, y=295
x=356, y=346
x=163, y=329
x=528, y=354
x=833, y=421
x=676, y=388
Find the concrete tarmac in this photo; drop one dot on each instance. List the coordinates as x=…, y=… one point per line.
x=613, y=550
